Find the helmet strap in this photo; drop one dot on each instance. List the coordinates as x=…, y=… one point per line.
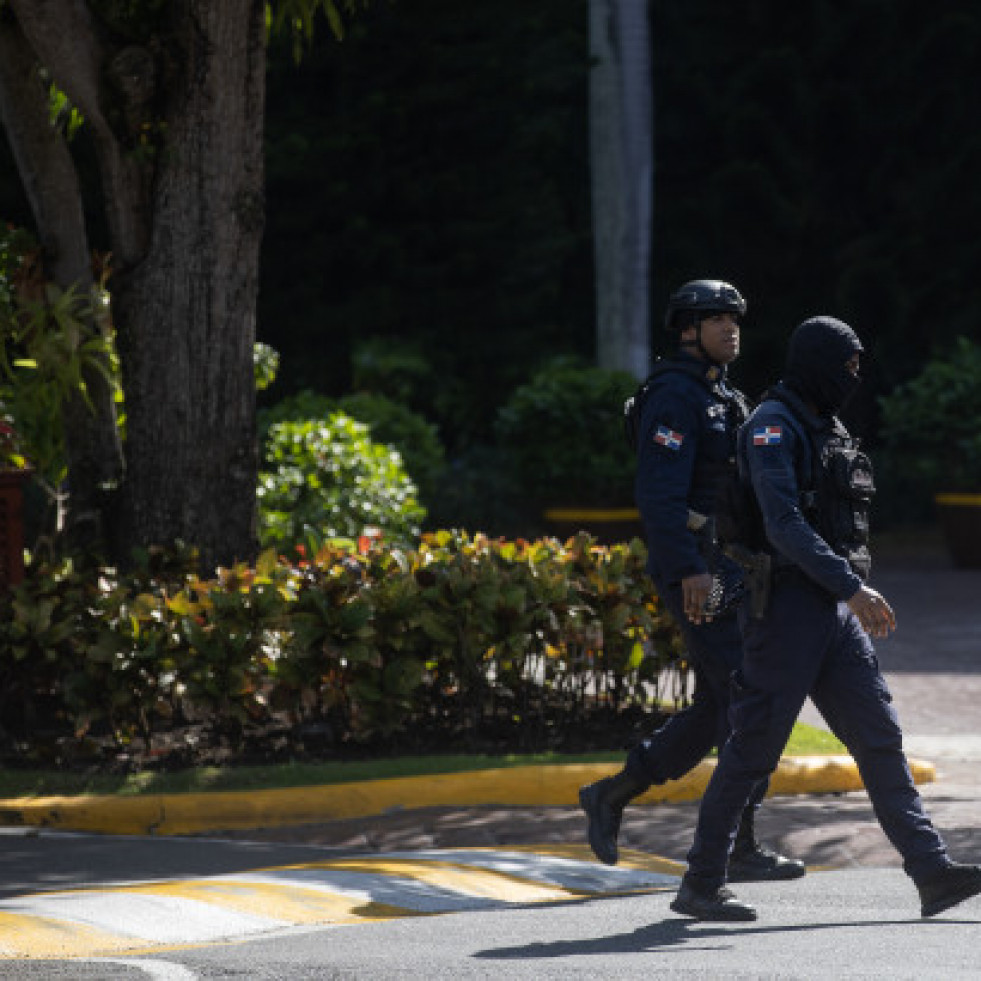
x=697, y=342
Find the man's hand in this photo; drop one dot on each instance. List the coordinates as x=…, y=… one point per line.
x=873, y=612
x=694, y=596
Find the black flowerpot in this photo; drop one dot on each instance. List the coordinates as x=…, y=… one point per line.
x=960, y=517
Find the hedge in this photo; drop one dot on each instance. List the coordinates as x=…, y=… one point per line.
x=460, y=632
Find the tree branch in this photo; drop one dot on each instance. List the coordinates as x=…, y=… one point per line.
x=43, y=160
x=66, y=39
x=63, y=34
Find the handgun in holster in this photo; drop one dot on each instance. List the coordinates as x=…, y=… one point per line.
x=756, y=578
x=757, y=572
x=727, y=589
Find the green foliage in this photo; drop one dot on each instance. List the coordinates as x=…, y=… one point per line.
x=298, y=16
x=305, y=404
x=46, y=347
x=16, y=245
x=931, y=424
x=563, y=434
x=265, y=364
x=63, y=114
x=391, y=367
x=416, y=440
x=328, y=478
x=463, y=632
x=389, y=422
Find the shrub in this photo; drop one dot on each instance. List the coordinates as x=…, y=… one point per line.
x=402, y=429
x=305, y=404
x=463, y=637
x=563, y=434
x=931, y=425
x=327, y=479
x=389, y=422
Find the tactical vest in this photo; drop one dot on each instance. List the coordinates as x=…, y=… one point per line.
x=838, y=504
x=835, y=501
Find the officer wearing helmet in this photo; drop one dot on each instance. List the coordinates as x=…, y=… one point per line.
x=813, y=486
x=686, y=440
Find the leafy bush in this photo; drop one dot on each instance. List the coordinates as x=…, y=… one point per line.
x=931, y=425
x=459, y=638
x=391, y=367
x=327, y=479
x=402, y=429
x=563, y=434
x=390, y=422
x=305, y=404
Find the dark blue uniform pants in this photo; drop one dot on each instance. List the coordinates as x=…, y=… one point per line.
x=715, y=650
x=809, y=644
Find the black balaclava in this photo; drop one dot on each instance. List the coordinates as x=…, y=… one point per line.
x=817, y=358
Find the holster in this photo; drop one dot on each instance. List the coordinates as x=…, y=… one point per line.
x=757, y=567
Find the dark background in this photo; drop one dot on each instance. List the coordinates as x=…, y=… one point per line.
x=428, y=190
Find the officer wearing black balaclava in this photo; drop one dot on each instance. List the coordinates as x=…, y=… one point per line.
x=813, y=486
x=820, y=365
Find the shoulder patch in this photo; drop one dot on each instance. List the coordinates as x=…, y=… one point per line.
x=669, y=438
x=767, y=435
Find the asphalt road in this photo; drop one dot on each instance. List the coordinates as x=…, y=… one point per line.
x=851, y=924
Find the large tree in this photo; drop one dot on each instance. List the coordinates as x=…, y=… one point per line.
x=172, y=93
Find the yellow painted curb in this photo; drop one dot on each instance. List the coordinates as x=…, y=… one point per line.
x=527, y=786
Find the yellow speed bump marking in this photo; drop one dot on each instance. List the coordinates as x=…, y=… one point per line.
x=454, y=877
x=39, y=936
x=80, y=923
x=636, y=861
x=288, y=902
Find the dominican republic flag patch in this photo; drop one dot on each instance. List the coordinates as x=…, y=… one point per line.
x=767, y=435
x=669, y=438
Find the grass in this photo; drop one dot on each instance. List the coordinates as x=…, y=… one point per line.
x=805, y=741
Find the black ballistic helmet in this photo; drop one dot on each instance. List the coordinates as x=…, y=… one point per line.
x=702, y=298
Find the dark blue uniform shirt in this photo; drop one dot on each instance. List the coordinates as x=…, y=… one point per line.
x=687, y=442
x=775, y=453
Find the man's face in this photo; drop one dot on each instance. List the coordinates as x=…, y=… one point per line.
x=720, y=337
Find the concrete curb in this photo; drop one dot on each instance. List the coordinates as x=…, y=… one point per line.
x=528, y=786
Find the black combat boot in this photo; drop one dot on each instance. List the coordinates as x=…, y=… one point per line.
x=603, y=803
x=752, y=862
x=951, y=885
x=710, y=904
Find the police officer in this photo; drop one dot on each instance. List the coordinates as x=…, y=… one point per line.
x=814, y=486
x=686, y=444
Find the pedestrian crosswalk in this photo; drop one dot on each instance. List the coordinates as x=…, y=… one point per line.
x=108, y=920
